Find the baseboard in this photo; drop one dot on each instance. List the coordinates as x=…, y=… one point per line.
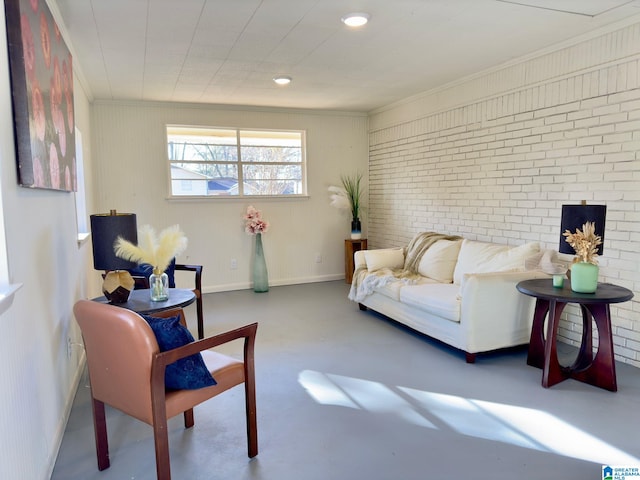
x=62, y=424
x=229, y=287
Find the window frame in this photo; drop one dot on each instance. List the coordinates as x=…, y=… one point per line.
x=239, y=163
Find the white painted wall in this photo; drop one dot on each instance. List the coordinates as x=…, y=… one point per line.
x=38, y=379
x=131, y=175
x=493, y=157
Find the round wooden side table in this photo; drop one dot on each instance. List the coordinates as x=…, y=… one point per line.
x=598, y=370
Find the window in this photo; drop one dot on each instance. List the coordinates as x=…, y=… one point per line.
x=217, y=162
x=80, y=194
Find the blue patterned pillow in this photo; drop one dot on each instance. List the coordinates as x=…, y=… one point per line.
x=187, y=373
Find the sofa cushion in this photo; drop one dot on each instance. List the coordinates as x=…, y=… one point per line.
x=390, y=290
x=483, y=257
x=437, y=298
x=384, y=258
x=439, y=260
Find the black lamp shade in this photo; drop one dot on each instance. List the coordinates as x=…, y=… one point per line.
x=105, y=229
x=575, y=216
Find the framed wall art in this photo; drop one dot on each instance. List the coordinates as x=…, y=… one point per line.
x=42, y=90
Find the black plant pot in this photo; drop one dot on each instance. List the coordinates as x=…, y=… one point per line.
x=356, y=229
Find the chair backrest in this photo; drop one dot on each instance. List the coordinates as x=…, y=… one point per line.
x=120, y=346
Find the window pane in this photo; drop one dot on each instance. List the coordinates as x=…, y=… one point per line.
x=270, y=138
x=272, y=179
x=202, y=151
x=206, y=179
x=271, y=146
x=198, y=144
x=271, y=154
x=192, y=187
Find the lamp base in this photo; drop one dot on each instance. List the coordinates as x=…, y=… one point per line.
x=117, y=286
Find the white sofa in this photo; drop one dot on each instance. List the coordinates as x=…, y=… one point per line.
x=463, y=292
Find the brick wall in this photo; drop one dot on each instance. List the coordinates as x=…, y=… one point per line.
x=499, y=166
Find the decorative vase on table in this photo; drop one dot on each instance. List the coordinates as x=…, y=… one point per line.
x=584, y=277
x=260, y=274
x=584, y=270
x=159, y=287
x=158, y=251
x=356, y=229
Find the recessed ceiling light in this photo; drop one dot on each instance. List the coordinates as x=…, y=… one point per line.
x=282, y=80
x=355, y=19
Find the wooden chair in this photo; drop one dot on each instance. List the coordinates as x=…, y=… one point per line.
x=127, y=371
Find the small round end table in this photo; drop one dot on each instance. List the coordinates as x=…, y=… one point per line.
x=598, y=370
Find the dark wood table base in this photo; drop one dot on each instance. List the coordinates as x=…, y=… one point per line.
x=596, y=368
x=599, y=370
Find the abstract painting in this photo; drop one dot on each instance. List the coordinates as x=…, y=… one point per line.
x=42, y=90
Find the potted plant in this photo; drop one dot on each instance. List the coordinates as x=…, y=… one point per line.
x=349, y=197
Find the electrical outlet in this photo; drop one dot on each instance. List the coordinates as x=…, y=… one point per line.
x=69, y=347
x=318, y=258
x=234, y=264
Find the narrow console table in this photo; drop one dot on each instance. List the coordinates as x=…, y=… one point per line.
x=598, y=370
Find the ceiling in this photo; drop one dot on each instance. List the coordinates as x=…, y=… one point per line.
x=228, y=51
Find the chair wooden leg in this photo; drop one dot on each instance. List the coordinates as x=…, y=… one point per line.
x=100, y=431
x=188, y=418
x=252, y=423
x=161, y=439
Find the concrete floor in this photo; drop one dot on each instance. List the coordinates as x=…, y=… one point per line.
x=344, y=394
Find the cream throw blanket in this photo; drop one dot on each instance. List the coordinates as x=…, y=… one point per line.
x=364, y=282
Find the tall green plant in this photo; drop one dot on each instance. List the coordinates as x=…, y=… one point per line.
x=353, y=189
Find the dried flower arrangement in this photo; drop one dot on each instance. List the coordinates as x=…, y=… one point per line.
x=157, y=251
x=585, y=243
x=253, y=221
x=348, y=197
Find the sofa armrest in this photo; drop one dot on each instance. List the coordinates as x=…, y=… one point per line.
x=379, y=258
x=359, y=260
x=493, y=311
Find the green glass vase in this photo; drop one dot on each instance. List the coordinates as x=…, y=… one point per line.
x=584, y=277
x=260, y=274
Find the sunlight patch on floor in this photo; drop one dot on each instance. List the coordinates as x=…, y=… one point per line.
x=520, y=426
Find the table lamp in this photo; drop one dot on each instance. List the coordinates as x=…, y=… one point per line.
x=105, y=229
x=575, y=216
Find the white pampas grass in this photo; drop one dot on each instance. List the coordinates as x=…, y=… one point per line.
x=156, y=251
x=339, y=198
